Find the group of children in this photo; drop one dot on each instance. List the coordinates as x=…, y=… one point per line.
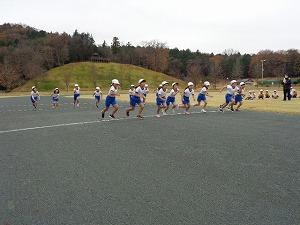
x=265, y=94
x=165, y=99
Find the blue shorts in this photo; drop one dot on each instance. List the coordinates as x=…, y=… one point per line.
x=228, y=98
x=201, y=97
x=34, y=99
x=54, y=100
x=160, y=102
x=185, y=100
x=110, y=101
x=135, y=100
x=170, y=100
x=76, y=96
x=97, y=98
x=238, y=98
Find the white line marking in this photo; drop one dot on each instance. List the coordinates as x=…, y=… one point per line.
x=90, y=122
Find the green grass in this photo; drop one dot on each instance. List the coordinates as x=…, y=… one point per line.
x=88, y=75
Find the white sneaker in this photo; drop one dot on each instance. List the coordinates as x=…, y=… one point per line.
x=203, y=110
x=157, y=115
x=164, y=112
x=187, y=113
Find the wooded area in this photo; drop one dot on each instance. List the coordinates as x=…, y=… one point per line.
x=26, y=52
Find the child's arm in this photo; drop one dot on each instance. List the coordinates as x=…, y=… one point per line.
x=223, y=88
x=209, y=95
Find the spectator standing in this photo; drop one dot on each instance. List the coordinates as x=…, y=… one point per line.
x=287, y=83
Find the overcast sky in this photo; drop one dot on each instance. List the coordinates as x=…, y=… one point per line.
x=207, y=25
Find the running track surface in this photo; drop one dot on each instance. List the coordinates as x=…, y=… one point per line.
x=69, y=167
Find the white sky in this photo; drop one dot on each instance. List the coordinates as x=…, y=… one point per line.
x=207, y=25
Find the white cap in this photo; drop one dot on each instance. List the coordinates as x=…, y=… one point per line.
x=174, y=84
x=206, y=83
x=56, y=88
x=242, y=83
x=267, y=90
x=190, y=84
x=164, y=82
x=76, y=85
x=33, y=87
x=132, y=85
x=261, y=90
x=233, y=82
x=142, y=80
x=97, y=88
x=275, y=91
x=115, y=81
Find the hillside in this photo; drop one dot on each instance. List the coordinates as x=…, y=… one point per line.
x=88, y=75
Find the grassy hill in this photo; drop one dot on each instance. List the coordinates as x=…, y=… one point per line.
x=88, y=75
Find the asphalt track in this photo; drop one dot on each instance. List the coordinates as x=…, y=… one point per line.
x=66, y=166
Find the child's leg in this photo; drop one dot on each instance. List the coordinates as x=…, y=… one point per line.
x=239, y=105
x=158, y=109
x=224, y=105
x=167, y=108
x=231, y=105
x=104, y=110
x=131, y=108
x=141, y=109
x=205, y=104
x=197, y=104
x=116, y=108
x=187, y=107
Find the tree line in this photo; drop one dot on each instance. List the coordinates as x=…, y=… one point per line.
x=26, y=53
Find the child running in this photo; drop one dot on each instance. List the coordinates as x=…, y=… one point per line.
x=55, y=98
x=76, y=95
x=172, y=97
x=231, y=89
x=98, y=96
x=131, y=92
x=202, y=96
x=238, y=98
x=188, y=91
x=34, y=97
x=145, y=92
x=161, y=98
x=111, y=99
x=137, y=98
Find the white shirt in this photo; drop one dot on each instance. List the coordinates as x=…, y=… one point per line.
x=173, y=93
x=139, y=91
x=161, y=93
x=240, y=90
x=55, y=96
x=131, y=92
x=112, y=91
x=203, y=91
x=97, y=93
x=76, y=91
x=145, y=91
x=231, y=90
x=188, y=93
x=34, y=94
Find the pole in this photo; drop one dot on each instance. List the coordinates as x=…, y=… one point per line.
x=262, y=70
